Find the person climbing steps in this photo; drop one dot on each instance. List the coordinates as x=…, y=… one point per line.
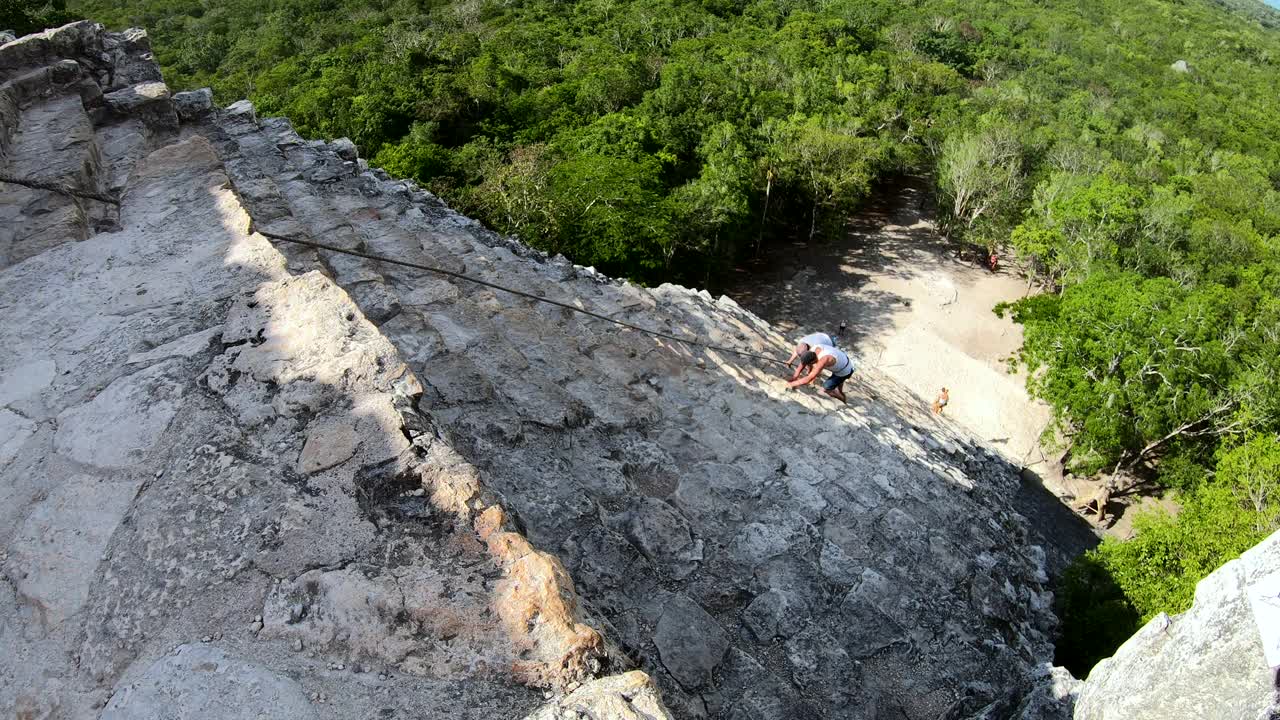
x=944, y=397
x=825, y=357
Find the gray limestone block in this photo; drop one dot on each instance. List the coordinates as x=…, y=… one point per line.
x=839, y=566
x=1048, y=693
x=14, y=431
x=150, y=101
x=344, y=608
x=132, y=40
x=131, y=99
x=201, y=682
x=757, y=542
x=134, y=65
x=185, y=347
x=90, y=93
x=662, y=534
x=93, y=434
x=690, y=642
x=763, y=615
x=65, y=71
x=62, y=540
x=193, y=104
x=376, y=300
x=281, y=132
x=796, y=587
x=599, y=558
x=867, y=627
x=240, y=109
x=328, y=444
x=1052, y=697
x=345, y=148
x=993, y=597
x=747, y=689
x=821, y=666
x=74, y=40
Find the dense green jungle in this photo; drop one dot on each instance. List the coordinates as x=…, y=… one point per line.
x=1122, y=154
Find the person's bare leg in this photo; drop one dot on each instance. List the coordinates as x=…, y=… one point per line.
x=838, y=394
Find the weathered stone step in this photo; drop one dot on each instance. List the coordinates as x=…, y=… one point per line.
x=48, y=48
x=419, y=303
x=55, y=142
x=289, y=386
x=25, y=86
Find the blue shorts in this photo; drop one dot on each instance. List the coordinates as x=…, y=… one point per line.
x=834, y=382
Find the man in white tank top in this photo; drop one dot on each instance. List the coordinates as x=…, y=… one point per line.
x=832, y=359
x=806, y=343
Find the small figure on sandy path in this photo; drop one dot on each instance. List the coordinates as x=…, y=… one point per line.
x=944, y=397
x=806, y=343
x=825, y=357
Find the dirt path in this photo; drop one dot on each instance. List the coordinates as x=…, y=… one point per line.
x=922, y=317
x=913, y=311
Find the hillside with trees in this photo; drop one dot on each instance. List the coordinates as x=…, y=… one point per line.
x=1123, y=152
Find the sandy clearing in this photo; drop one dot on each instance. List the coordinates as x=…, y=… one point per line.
x=923, y=318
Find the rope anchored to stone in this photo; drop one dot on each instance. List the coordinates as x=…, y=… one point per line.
x=67, y=190
x=58, y=188
x=520, y=293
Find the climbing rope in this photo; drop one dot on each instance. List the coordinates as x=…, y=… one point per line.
x=66, y=190
x=58, y=188
x=520, y=293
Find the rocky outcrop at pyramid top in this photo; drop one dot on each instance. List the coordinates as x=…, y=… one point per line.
x=242, y=477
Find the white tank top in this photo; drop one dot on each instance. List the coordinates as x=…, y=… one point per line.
x=813, y=339
x=843, y=365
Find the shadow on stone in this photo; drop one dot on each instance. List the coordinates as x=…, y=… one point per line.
x=1097, y=617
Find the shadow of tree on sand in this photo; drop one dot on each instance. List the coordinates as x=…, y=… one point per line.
x=879, y=241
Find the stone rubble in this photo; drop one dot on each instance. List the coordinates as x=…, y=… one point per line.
x=491, y=507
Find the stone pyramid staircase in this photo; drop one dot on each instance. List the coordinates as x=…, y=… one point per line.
x=356, y=489
x=210, y=467
x=762, y=552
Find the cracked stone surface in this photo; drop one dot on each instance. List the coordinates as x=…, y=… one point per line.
x=690, y=642
x=227, y=464
x=724, y=528
x=93, y=434
x=61, y=541
x=207, y=684
x=218, y=497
